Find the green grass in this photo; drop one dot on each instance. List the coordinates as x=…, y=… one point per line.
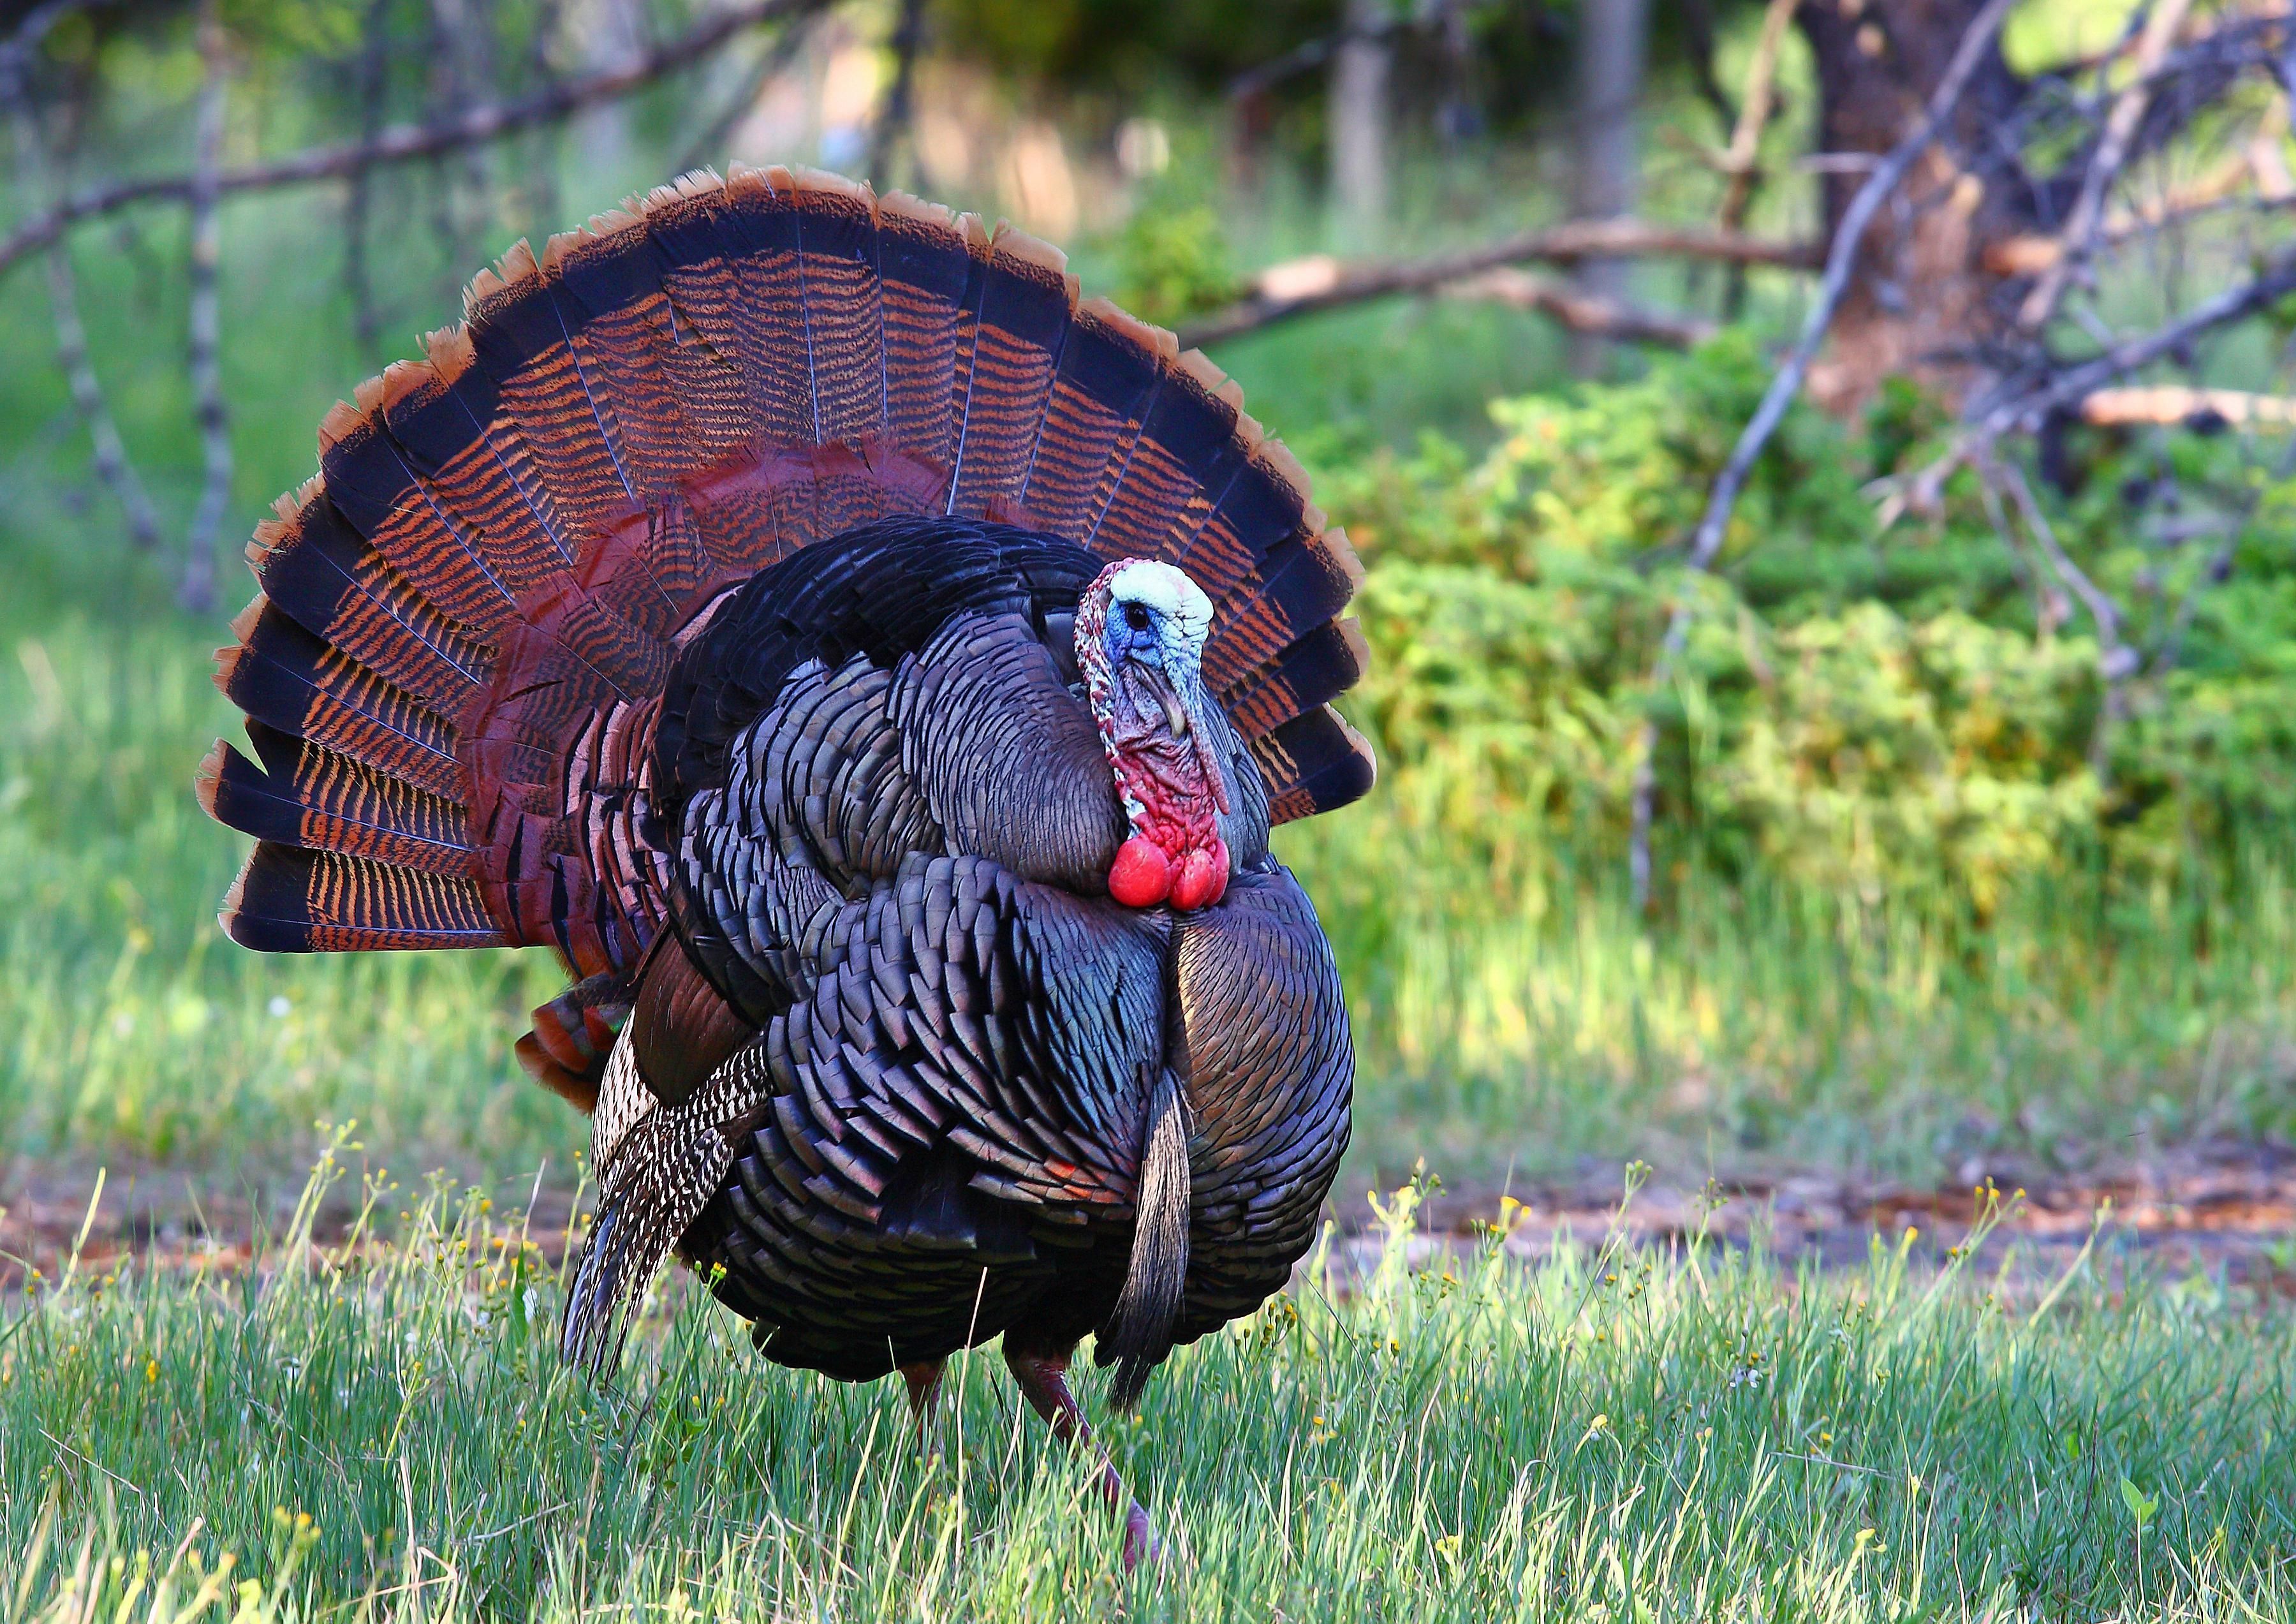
x=1612, y=1433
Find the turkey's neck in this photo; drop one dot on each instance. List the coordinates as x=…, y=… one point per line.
x=1171, y=790
x=1150, y=720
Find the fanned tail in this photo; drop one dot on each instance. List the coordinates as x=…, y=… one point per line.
x=454, y=667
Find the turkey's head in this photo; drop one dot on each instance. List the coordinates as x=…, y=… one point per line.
x=1140, y=631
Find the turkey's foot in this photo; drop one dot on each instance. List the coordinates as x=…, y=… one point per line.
x=923, y=1379
x=1044, y=1378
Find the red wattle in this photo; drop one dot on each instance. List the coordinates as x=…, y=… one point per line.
x=1141, y=875
x=1202, y=878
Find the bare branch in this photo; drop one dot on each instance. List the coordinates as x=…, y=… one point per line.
x=16, y=49
x=197, y=590
x=1745, y=141
x=2065, y=390
x=1581, y=311
x=1299, y=287
x=109, y=452
x=367, y=322
x=404, y=144
x=2115, y=661
x=1841, y=260
x=2112, y=150
x=892, y=126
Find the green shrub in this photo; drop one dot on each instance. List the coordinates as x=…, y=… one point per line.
x=1917, y=709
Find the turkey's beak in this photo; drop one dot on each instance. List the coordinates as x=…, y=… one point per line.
x=1161, y=690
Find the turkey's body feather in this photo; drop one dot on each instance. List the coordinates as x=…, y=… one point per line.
x=705, y=609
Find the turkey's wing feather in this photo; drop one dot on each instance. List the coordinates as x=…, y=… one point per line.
x=1260, y=1036
x=958, y=1018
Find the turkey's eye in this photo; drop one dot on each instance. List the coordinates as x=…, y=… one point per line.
x=1136, y=617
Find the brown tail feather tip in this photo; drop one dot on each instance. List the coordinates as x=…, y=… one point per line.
x=1210, y=377
x=516, y=264
x=450, y=351
x=209, y=777
x=577, y=1089
x=342, y=421
x=243, y=624
x=1163, y=345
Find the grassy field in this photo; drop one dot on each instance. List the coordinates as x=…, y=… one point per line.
x=382, y=1427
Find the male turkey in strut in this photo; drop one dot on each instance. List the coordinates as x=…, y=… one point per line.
x=875, y=673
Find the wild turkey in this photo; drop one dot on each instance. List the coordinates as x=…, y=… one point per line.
x=875, y=673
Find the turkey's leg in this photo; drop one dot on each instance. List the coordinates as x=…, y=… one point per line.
x=924, y=1395
x=1044, y=1378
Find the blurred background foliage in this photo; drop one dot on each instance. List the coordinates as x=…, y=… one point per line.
x=1938, y=875
x=1869, y=708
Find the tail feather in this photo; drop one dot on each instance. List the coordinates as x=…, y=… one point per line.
x=1010, y=336
x=318, y=571
x=844, y=320
x=1319, y=667
x=572, y=1037
x=1313, y=763
x=1107, y=379
x=441, y=418
x=284, y=676
x=925, y=268
x=290, y=900
x=525, y=348
x=769, y=311
x=605, y=282
x=305, y=795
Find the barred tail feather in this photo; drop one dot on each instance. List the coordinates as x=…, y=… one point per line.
x=292, y=900
x=465, y=621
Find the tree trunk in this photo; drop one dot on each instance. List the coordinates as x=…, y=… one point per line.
x=1611, y=38
x=1359, y=132
x=1922, y=297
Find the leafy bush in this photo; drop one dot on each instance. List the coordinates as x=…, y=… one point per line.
x=1917, y=708
x=1173, y=263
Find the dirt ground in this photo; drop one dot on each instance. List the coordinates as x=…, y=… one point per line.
x=2224, y=1210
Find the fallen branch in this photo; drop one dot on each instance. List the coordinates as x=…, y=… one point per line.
x=1300, y=287
x=1579, y=312
x=2173, y=403
x=405, y=142
x=2066, y=390
x=1841, y=261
